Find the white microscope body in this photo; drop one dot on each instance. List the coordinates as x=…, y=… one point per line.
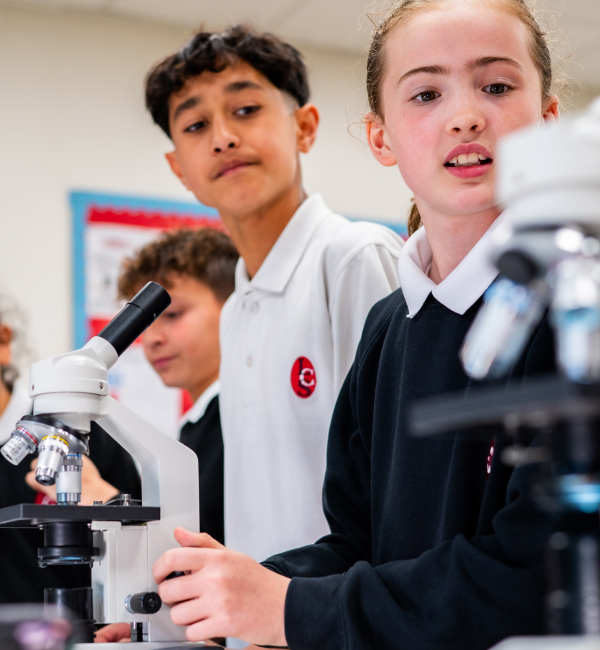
x=69, y=392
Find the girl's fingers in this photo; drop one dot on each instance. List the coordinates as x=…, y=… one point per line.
x=180, y=589
x=198, y=540
x=191, y=611
x=180, y=559
x=202, y=630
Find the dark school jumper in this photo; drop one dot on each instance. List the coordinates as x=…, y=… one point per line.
x=428, y=550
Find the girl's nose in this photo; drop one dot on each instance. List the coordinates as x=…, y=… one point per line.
x=466, y=119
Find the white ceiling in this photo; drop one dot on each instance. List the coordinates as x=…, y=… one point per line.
x=338, y=25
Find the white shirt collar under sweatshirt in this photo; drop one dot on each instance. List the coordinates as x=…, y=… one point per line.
x=460, y=289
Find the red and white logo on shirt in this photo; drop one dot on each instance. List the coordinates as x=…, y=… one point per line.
x=304, y=378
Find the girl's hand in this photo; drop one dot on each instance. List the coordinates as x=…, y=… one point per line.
x=225, y=594
x=93, y=486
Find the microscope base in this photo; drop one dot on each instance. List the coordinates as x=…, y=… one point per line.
x=591, y=642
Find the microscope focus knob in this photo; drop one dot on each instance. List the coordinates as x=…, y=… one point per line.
x=144, y=603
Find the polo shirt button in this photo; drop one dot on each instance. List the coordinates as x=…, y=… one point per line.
x=249, y=361
x=254, y=307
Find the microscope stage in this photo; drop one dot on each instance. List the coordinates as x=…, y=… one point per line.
x=30, y=515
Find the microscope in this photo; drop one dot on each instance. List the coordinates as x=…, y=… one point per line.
x=548, y=257
x=119, y=542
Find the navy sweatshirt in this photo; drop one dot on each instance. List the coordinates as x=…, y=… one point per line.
x=427, y=550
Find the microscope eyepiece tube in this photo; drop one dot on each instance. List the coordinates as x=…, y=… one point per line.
x=140, y=312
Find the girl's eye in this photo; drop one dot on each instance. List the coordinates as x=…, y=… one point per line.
x=497, y=89
x=172, y=315
x=426, y=97
x=247, y=110
x=196, y=126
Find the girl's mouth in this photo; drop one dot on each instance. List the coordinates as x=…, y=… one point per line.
x=468, y=160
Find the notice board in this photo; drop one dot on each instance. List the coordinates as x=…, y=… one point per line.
x=106, y=229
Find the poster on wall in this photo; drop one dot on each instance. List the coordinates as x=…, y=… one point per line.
x=106, y=230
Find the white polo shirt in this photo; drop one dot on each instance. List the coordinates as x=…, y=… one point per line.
x=288, y=338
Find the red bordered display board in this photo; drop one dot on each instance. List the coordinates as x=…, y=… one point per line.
x=106, y=229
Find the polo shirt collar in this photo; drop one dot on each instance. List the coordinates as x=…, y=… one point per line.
x=282, y=260
x=459, y=290
x=201, y=404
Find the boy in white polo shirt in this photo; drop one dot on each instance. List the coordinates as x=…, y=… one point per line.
x=236, y=107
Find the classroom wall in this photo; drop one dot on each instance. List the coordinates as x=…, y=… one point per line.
x=72, y=117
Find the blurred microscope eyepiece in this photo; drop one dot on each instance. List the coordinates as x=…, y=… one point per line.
x=501, y=329
x=546, y=267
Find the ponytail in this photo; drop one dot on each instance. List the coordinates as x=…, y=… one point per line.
x=414, y=218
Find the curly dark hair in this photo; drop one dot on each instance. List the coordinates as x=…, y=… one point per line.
x=205, y=254
x=279, y=62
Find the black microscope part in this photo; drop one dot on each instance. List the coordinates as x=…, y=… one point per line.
x=76, y=603
x=67, y=543
x=517, y=266
x=140, y=312
x=144, y=603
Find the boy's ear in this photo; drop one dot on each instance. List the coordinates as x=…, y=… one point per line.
x=171, y=157
x=377, y=141
x=307, y=119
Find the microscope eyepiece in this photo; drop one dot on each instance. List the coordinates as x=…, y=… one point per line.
x=140, y=312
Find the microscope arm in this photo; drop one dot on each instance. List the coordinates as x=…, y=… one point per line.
x=169, y=480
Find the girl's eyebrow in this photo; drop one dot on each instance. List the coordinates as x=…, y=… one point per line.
x=484, y=61
x=428, y=69
x=480, y=62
